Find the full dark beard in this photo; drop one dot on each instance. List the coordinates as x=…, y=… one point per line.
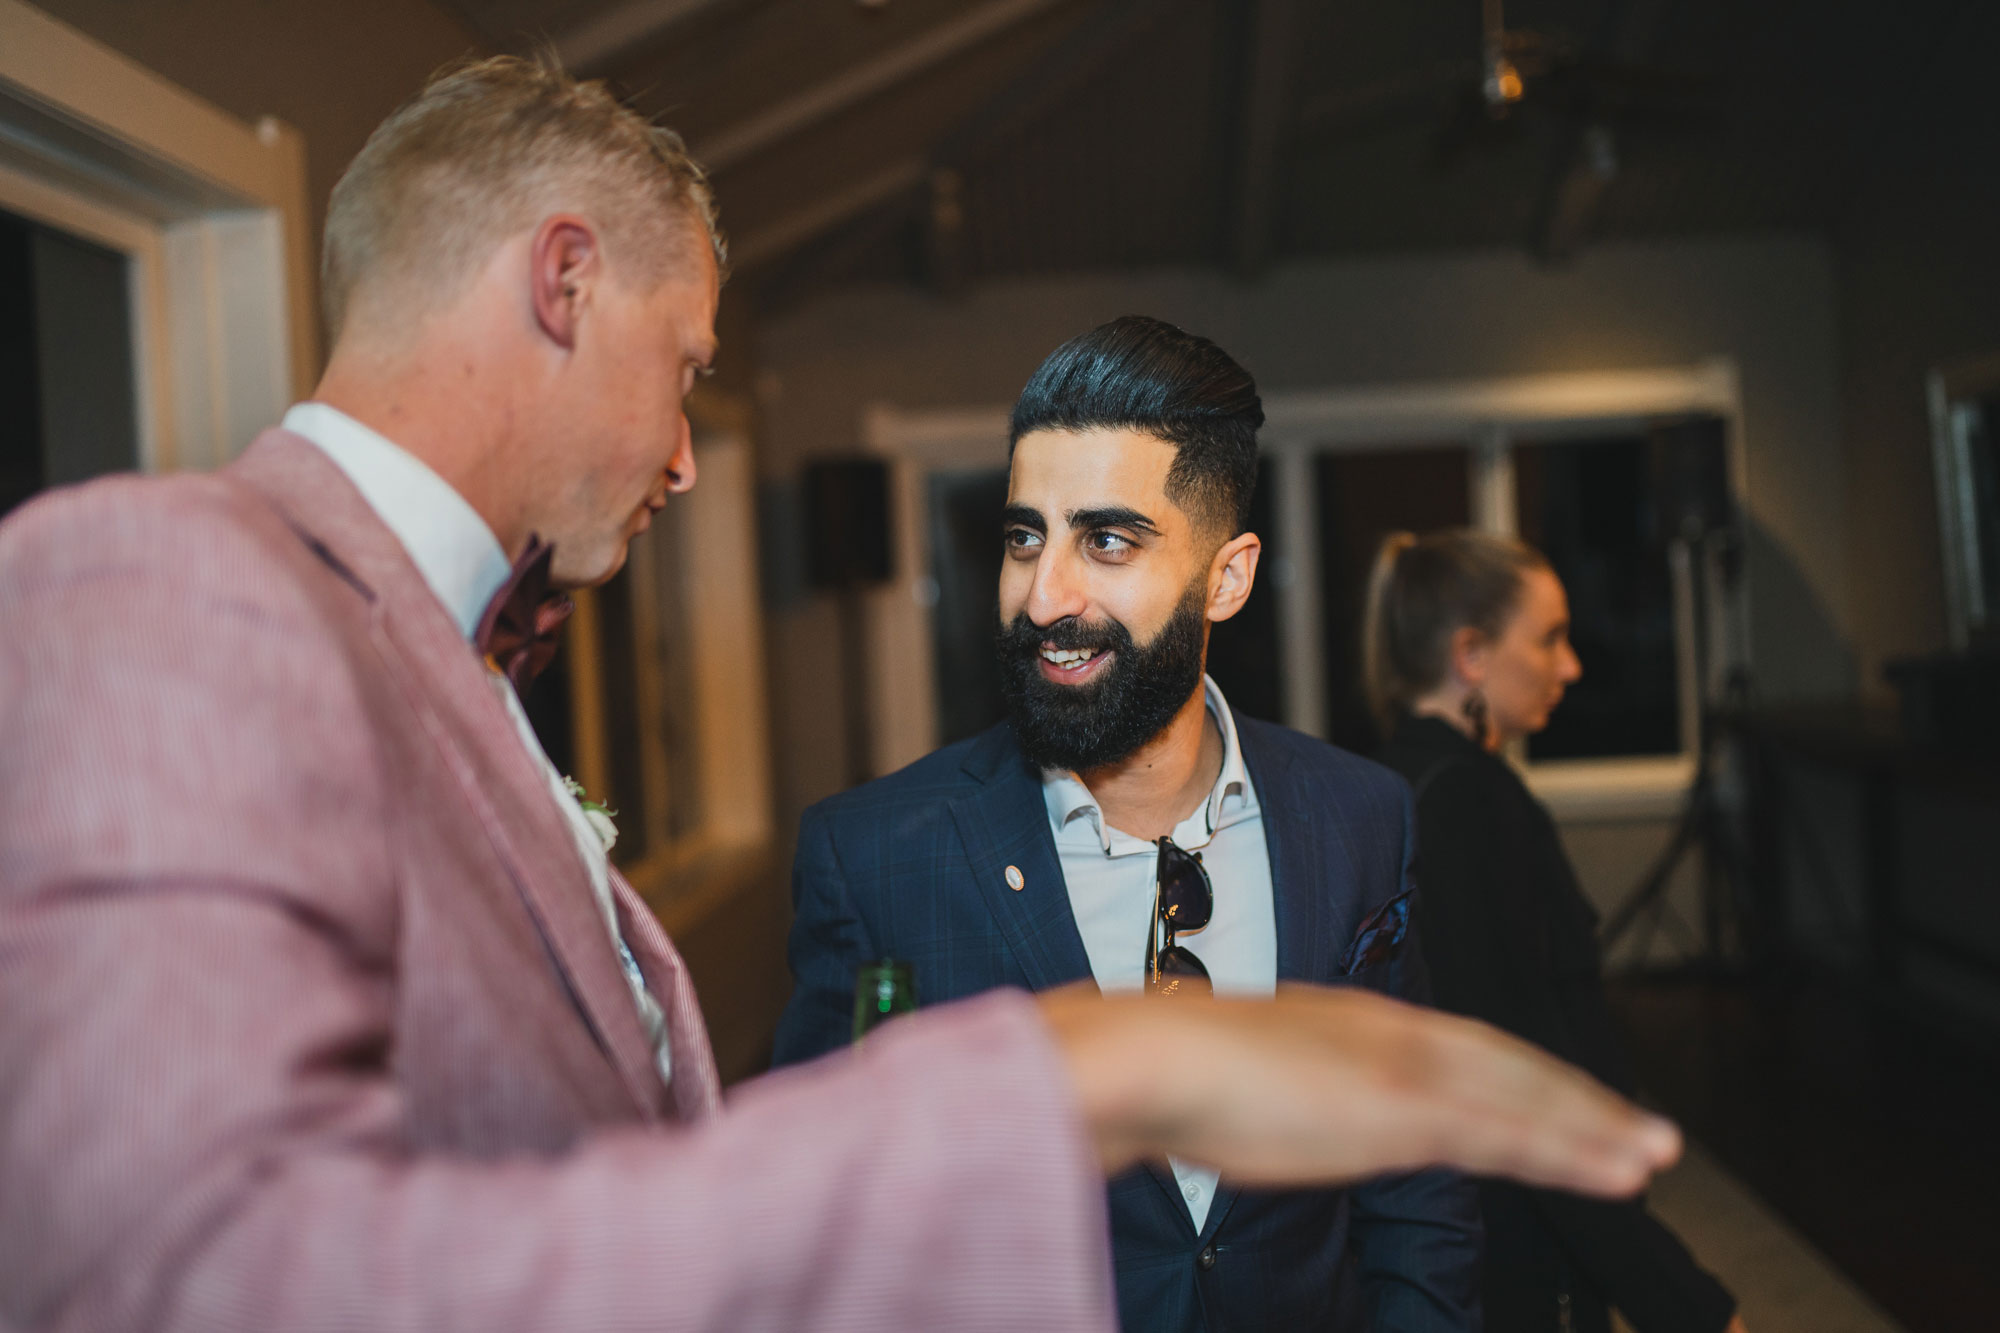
x=1081, y=727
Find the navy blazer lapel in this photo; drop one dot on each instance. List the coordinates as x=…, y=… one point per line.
x=1296, y=835
x=1005, y=823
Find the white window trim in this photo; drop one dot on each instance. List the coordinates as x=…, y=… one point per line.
x=1483, y=414
x=210, y=213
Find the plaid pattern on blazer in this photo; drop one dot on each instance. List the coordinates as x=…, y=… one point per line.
x=913, y=866
x=308, y=1019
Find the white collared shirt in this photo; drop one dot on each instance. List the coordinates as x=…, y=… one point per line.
x=1110, y=878
x=463, y=564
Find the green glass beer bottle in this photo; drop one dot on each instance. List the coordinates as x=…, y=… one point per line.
x=882, y=990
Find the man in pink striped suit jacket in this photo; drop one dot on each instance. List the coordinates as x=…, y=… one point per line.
x=319, y=1008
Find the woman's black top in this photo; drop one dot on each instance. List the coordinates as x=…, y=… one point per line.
x=1510, y=939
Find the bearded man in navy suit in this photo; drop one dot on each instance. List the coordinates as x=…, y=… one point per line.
x=1126, y=825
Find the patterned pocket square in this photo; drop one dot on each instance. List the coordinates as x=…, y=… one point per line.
x=1380, y=937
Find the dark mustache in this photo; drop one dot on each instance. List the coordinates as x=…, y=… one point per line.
x=1070, y=634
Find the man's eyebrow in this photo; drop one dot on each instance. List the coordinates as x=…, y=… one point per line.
x=1022, y=516
x=1111, y=516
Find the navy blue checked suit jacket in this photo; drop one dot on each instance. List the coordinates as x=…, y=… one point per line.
x=913, y=866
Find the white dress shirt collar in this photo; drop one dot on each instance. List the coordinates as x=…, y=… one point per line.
x=449, y=543
x=1231, y=798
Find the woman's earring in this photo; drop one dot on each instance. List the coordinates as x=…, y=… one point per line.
x=1474, y=709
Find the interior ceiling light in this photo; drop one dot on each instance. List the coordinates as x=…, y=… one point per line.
x=1500, y=79
x=1502, y=84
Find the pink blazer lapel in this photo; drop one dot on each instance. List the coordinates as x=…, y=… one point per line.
x=497, y=778
x=697, y=1093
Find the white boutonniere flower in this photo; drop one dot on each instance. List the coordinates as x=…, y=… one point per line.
x=599, y=816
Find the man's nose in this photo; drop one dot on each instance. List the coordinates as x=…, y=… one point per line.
x=1058, y=589
x=680, y=463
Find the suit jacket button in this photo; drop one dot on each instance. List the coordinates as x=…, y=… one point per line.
x=1206, y=1259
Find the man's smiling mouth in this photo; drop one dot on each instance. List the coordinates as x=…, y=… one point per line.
x=1072, y=663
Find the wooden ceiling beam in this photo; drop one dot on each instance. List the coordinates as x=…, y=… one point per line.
x=1584, y=162
x=1074, y=58
x=1045, y=76
x=591, y=46
x=825, y=213
x=1267, y=42
x=1109, y=26
x=720, y=151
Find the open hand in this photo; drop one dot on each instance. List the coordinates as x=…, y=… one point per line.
x=1321, y=1087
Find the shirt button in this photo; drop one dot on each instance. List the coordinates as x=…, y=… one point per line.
x=1206, y=1259
x=1192, y=1190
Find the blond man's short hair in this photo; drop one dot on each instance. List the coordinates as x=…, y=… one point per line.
x=486, y=150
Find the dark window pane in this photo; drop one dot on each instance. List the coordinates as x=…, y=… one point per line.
x=1243, y=650
x=965, y=560
x=83, y=319
x=1983, y=450
x=618, y=639
x=68, y=398
x=1362, y=498
x=1594, y=507
x=670, y=719
x=20, y=376
x=645, y=682
x=547, y=704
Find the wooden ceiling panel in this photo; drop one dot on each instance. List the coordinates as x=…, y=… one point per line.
x=1383, y=192
x=896, y=130
x=1128, y=171
x=514, y=25
x=1803, y=105
x=774, y=49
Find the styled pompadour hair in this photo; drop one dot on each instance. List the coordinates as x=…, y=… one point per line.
x=1143, y=374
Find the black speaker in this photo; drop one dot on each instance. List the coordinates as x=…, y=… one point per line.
x=1691, y=479
x=848, y=536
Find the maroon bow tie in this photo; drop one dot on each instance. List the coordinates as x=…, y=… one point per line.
x=518, y=632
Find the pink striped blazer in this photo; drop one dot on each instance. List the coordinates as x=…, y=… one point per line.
x=308, y=1020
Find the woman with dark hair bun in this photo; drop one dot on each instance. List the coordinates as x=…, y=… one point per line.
x=1467, y=648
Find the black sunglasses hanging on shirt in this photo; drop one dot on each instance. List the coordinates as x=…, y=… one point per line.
x=1183, y=899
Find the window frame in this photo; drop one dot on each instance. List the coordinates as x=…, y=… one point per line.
x=210, y=213
x=1487, y=415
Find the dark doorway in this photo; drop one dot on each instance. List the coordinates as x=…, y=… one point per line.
x=68, y=403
